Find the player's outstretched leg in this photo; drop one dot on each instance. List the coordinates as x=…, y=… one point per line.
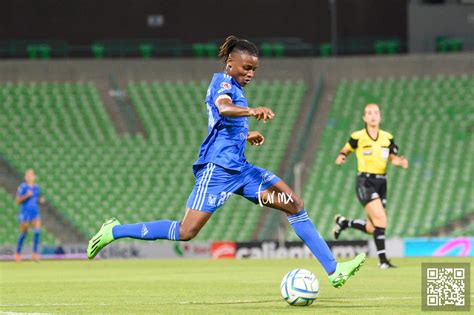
x=183, y=230
x=112, y=230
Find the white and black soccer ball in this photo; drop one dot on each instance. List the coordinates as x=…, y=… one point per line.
x=300, y=287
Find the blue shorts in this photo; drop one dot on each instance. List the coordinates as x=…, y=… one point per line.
x=28, y=216
x=215, y=184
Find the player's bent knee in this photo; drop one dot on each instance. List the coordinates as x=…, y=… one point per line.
x=187, y=234
x=298, y=203
x=379, y=222
x=186, y=237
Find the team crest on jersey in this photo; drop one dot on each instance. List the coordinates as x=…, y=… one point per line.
x=225, y=86
x=211, y=200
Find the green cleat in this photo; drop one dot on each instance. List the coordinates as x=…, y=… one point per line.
x=103, y=238
x=346, y=270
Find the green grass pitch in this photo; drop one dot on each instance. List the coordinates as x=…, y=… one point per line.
x=201, y=287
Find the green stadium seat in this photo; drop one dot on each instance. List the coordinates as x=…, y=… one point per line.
x=278, y=49
x=393, y=46
x=98, y=51
x=211, y=50
x=379, y=47
x=382, y=47
x=44, y=51
x=456, y=44
x=325, y=50
x=266, y=49
x=445, y=45
x=32, y=51
x=199, y=50
x=146, y=50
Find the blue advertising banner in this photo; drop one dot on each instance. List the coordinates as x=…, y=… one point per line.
x=438, y=247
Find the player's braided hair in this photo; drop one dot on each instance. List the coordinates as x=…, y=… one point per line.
x=233, y=43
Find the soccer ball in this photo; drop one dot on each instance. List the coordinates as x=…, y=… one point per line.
x=300, y=287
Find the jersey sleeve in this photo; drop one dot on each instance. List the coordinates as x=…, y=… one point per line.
x=353, y=141
x=393, y=147
x=21, y=190
x=223, y=86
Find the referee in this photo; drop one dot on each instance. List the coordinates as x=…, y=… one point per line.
x=373, y=148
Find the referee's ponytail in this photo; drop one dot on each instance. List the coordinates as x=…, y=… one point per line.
x=233, y=43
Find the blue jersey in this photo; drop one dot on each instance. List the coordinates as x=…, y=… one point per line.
x=31, y=204
x=225, y=142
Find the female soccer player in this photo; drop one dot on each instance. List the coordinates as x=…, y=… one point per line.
x=373, y=147
x=222, y=170
x=28, y=196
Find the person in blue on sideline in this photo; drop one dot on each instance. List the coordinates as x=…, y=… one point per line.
x=29, y=198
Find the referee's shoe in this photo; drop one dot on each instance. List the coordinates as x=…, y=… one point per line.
x=386, y=265
x=339, y=226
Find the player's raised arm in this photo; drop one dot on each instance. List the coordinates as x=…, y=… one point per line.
x=226, y=108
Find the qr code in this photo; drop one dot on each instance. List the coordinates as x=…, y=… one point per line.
x=446, y=285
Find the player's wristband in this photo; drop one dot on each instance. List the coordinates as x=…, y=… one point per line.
x=342, y=153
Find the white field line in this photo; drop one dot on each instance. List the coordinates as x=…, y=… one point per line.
x=379, y=298
x=17, y=313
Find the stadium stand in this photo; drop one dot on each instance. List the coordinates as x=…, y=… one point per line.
x=89, y=172
x=466, y=231
x=430, y=118
x=9, y=218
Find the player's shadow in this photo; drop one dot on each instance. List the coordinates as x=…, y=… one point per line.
x=326, y=303
x=227, y=302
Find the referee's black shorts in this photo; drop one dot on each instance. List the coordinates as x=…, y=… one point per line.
x=370, y=187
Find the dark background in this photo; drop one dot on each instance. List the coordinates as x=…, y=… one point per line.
x=83, y=21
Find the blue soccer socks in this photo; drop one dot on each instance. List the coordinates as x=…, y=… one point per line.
x=163, y=229
x=306, y=231
x=19, y=243
x=36, y=240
